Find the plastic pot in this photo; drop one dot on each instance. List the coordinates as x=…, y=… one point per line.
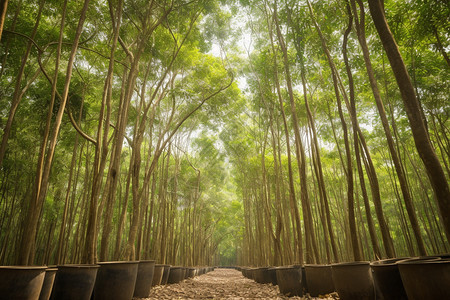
x=176, y=275
x=166, y=273
x=353, y=280
x=387, y=279
x=289, y=280
x=116, y=280
x=157, y=275
x=47, y=286
x=21, y=282
x=144, y=278
x=190, y=272
x=319, y=279
x=426, y=278
x=261, y=275
x=273, y=275
x=74, y=282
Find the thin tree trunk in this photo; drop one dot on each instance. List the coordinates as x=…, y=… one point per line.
x=3, y=8
x=395, y=158
x=312, y=255
x=352, y=110
x=62, y=229
x=17, y=96
x=349, y=173
x=292, y=197
x=43, y=171
x=421, y=138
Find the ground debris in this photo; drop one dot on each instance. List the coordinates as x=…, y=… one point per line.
x=221, y=284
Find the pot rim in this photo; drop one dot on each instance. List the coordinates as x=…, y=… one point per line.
x=288, y=268
x=51, y=269
x=23, y=267
x=117, y=262
x=147, y=261
x=317, y=265
x=387, y=262
x=352, y=263
x=79, y=266
x=437, y=260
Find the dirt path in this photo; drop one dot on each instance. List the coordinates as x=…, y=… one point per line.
x=218, y=284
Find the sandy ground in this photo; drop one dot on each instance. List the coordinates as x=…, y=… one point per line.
x=219, y=284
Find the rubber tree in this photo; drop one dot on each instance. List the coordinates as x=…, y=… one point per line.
x=44, y=165
x=422, y=140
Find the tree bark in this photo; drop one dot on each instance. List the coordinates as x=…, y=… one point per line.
x=26, y=255
x=17, y=96
x=349, y=169
x=3, y=8
x=395, y=158
x=292, y=197
x=423, y=144
x=313, y=256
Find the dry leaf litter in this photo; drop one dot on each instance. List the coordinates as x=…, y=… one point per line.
x=222, y=284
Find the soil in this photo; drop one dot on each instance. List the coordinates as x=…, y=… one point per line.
x=221, y=284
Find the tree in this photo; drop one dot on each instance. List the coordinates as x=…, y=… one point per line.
x=422, y=141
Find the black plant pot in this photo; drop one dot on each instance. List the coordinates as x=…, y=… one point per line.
x=353, y=280
x=426, y=279
x=176, y=275
x=387, y=280
x=289, y=280
x=273, y=275
x=261, y=275
x=252, y=273
x=157, y=275
x=304, y=282
x=166, y=274
x=144, y=278
x=319, y=279
x=116, y=280
x=244, y=271
x=21, y=282
x=47, y=286
x=74, y=282
x=191, y=272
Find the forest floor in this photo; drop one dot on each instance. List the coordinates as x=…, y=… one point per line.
x=220, y=284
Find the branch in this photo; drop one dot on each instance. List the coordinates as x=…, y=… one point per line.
x=91, y=50
x=25, y=36
x=78, y=129
x=130, y=142
x=125, y=48
x=156, y=156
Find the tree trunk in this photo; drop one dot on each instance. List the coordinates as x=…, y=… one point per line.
x=3, y=8
x=395, y=158
x=352, y=110
x=311, y=257
x=292, y=197
x=349, y=170
x=26, y=255
x=423, y=144
x=17, y=96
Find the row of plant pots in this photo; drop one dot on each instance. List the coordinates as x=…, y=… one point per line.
x=399, y=278
x=105, y=280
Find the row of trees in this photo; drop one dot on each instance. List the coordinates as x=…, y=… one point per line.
x=344, y=155
x=100, y=101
